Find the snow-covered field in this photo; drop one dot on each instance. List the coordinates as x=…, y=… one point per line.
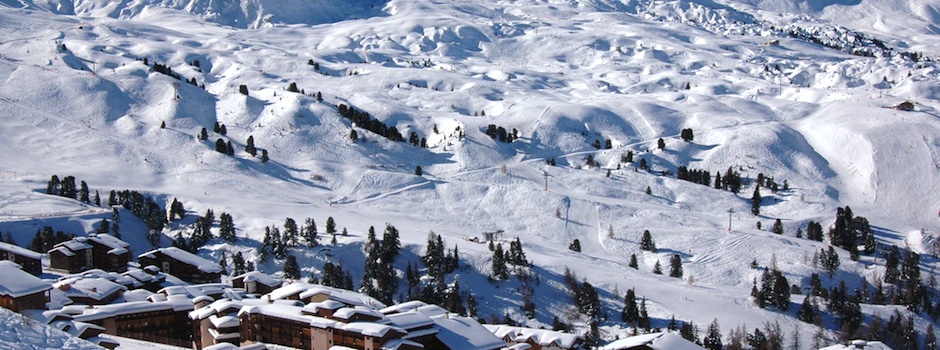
x=78, y=100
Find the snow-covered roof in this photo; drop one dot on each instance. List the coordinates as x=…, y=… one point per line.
x=306, y=290
x=396, y=344
x=324, y=305
x=137, y=295
x=64, y=250
x=542, y=337
x=224, y=321
x=222, y=346
x=195, y=290
x=76, y=329
x=188, y=258
x=656, y=341
x=347, y=313
x=15, y=249
x=406, y=306
x=46, y=316
x=290, y=312
x=76, y=244
x=372, y=329
x=410, y=320
x=458, y=332
x=17, y=283
x=95, y=287
x=112, y=310
x=859, y=344
x=259, y=277
x=108, y=241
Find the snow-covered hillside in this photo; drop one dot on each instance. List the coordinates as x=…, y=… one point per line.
x=78, y=99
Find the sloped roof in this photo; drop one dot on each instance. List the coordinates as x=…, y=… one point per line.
x=458, y=332
x=657, y=341
x=542, y=337
x=185, y=257
x=859, y=344
x=256, y=276
x=108, y=241
x=18, y=283
x=15, y=249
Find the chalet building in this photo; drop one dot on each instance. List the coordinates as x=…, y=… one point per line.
x=182, y=264
x=288, y=325
x=255, y=282
x=653, y=341
x=314, y=293
x=97, y=251
x=90, y=290
x=536, y=339
x=449, y=332
x=218, y=323
x=162, y=320
x=20, y=290
x=149, y=278
x=30, y=261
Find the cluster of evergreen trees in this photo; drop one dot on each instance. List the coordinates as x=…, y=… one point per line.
x=500, y=133
x=773, y=290
x=143, y=207
x=702, y=177
x=501, y=259
x=45, y=239
x=276, y=243
x=608, y=144
x=66, y=188
x=848, y=232
x=335, y=276
x=380, y=279
x=687, y=135
x=365, y=121
x=202, y=229
x=730, y=181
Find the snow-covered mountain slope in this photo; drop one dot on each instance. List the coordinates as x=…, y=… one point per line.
x=78, y=100
x=21, y=332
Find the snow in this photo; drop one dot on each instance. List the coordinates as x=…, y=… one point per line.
x=656, y=341
x=372, y=329
x=458, y=332
x=562, y=73
x=15, y=249
x=255, y=276
x=542, y=337
x=91, y=287
x=187, y=258
x=112, y=310
x=859, y=344
x=410, y=320
x=19, y=332
x=17, y=283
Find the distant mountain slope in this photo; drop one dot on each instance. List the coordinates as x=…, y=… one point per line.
x=239, y=14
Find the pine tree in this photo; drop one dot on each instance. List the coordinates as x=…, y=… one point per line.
x=291, y=269
x=220, y=146
x=499, y=263
x=643, y=321
x=630, y=312
x=930, y=339
x=633, y=262
x=418, y=170
x=778, y=227
x=243, y=89
x=661, y=144
x=646, y=243
x=575, y=245
x=712, y=340
x=330, y=226
x=755, y=201
x=226, y=227
x=310, y=232
x=97, y=199
x=675, y=266
x=291, y=232
x=657, y=269
x=250, y=146
x=229, y=150
x=83, y=194
x=203, y=134
x=808, y=310
x=264, y=156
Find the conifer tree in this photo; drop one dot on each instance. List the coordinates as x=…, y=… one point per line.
x=83, y=193
x=778, y=227
x=499, y=263
x=220, y=146
x=203, y=134
x=250, y=146
x=310, y=232
x=291, y=268
x=755, y=201
x=291, y=232
x=712, y=340
x=661, y=144
x=575, y=245
x=97, y=199
x=657, y=269
x=630, y=313
x=226, y=227
x=675, y=266
x=643, y=321
x=633, y=262
x=330, y=226
x=646, y=243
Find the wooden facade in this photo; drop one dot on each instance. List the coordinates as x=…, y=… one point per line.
x=184, y=265
x=36, y=300
x=28, y=260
